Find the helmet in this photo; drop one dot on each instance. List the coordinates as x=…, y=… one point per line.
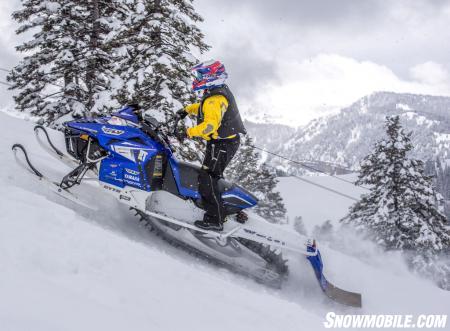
x=208, y=74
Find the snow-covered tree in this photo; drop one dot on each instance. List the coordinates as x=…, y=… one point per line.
x=402, y=209
x=159, y=37
x=156, y=43
x=245, y=170
x=432, y=266
x=68, y=62
x=101, y=58
x=441, y=181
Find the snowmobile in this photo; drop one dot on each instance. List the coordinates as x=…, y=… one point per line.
x=133, y=159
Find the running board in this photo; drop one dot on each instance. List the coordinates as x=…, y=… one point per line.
x=268, y=234
x=237, y=230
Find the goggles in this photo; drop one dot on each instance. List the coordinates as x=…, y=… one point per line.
x=196, y=75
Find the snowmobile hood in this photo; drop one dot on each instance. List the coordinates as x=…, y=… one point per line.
x=86, y=125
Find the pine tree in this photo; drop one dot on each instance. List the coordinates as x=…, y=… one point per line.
x=67, y=65
x=402, y=209
x=258, y=179
x=271, y=207
x=159, y=38
x=101, y=58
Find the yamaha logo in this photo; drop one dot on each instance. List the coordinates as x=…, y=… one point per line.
x=133, y=172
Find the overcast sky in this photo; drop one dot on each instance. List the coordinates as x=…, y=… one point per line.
x=298, y=59
x=293, y=60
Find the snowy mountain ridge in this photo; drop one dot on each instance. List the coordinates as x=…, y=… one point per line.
x=345, y=138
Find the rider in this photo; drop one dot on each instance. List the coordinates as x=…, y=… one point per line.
x=219, y=123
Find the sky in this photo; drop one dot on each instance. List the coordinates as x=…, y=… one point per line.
x=290, y=61
x=293, y=60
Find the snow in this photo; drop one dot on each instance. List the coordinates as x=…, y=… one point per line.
x=364, y=109
x=355, y=135
x=420, y=120
x=66, y=268
x=402, y=106
x=442, y=137
x=165, y=60
x=52, y=6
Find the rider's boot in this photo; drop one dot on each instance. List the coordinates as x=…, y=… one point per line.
x=209, y=223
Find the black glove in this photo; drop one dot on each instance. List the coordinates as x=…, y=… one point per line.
x=181, y=113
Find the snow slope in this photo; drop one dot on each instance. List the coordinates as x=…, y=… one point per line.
x=67, y=268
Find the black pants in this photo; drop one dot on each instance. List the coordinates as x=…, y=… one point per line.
x=218, y=155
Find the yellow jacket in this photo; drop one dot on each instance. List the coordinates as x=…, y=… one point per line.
x=213, y=109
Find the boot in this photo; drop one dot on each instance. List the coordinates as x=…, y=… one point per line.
x=208, y=225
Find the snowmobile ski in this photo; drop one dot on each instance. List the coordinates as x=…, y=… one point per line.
x=38, y=128
x=50, y=148
x=53, y=186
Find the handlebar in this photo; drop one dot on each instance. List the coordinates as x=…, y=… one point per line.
x=163, y=135
x=164, y=129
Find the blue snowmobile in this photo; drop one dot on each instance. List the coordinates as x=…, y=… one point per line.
x=134, y=160
x=137, y=154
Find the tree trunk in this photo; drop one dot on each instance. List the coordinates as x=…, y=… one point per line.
x=91, y=70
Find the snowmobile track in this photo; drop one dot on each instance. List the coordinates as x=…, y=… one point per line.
x=275, y=262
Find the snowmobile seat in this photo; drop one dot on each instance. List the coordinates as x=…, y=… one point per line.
x=189, y=177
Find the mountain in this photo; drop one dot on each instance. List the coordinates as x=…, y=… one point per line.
x=345, y=138
x=269, y=136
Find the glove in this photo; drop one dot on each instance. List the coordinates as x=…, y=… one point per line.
x=181, y=113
